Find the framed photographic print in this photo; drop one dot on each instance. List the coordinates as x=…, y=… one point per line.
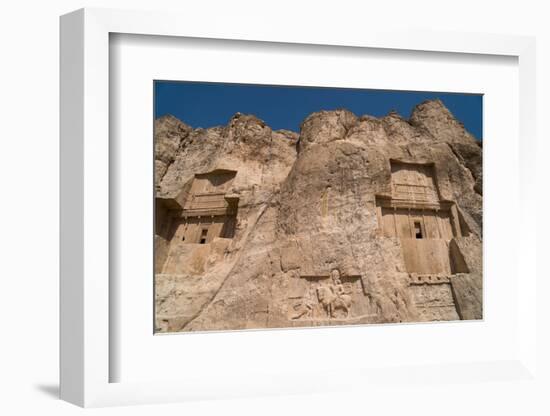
x=285, y=213
x=332, y=219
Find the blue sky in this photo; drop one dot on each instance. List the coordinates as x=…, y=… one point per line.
x=201, y=104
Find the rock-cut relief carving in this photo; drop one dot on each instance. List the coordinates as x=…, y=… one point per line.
x=419, y=217
x=327, y=296
x=333, y=297
x=303, y=307
x=424, y=224
x=204, y=212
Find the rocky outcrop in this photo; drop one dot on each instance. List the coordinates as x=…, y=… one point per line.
x=169, y=134
x=354, y=220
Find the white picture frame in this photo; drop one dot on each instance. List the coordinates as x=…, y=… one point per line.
x=85, y=353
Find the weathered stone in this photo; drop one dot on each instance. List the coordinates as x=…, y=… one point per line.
x=169, y=133
x=355, y=220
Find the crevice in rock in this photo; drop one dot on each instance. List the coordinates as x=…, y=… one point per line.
x=244, y=242
x=463, y=163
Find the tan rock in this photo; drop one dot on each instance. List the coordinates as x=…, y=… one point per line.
x=356, y=220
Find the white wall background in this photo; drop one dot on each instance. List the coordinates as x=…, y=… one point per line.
x=29, y=209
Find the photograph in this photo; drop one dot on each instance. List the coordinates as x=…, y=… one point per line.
x=275, y=208
x=283, y=206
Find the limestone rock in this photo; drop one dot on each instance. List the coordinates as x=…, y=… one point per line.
x=325, y=126
x=355, y=220
x=169, y=133
x=440, y=123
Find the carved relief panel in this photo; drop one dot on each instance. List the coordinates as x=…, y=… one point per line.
x=416, y=215
x=435, y=301
x=327, y=297
x=413, y=182
x=208, y=191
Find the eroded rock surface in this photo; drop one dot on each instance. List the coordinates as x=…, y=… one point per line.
x=354, y=220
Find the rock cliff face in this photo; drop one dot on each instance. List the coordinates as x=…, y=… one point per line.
x=356, y=220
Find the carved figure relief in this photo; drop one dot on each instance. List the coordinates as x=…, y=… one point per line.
x=333, y=298
x=303, y=308
x=330, y=296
